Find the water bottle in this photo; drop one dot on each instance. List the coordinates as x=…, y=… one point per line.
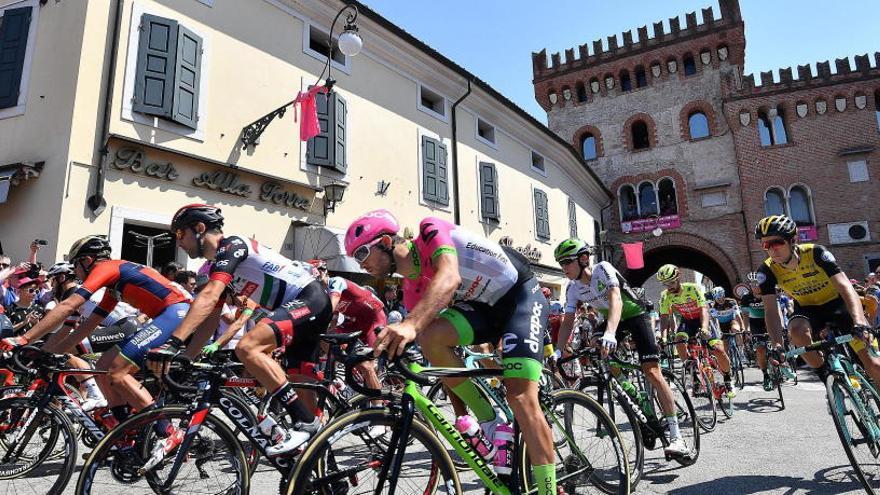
x=504, y=449
x=630, y=389
x=470, y=429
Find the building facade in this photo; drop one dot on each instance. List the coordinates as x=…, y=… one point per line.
x=119, y=112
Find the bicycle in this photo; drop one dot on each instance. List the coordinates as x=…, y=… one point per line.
x=705, y=383
x=342, y=456
x=854, y=404
x=737, y=367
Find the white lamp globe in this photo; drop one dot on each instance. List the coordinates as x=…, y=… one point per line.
x=350, y=43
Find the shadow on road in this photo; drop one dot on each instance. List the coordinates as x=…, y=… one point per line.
x=829, y=481
x=760, y=405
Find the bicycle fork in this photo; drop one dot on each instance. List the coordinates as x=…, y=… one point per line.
x=397, y=447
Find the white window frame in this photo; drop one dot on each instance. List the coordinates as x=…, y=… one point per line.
x=322, y=57
x=675, y=192
x=131, y=58
x=209, y=3
x=430, y=111
x=119, y=215
x=784, y=192
x=21, y=105
x=491, y=144
x=449, y=172
x=532, y=166
x=858, y=166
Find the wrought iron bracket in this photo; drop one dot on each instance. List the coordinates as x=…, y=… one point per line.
x=250, y=134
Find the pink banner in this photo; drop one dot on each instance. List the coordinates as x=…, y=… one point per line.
x=635, y=259
x=807, y=233
x=647, y=224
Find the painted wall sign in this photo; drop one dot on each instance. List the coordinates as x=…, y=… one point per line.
x=133, y=160
x=531, y=254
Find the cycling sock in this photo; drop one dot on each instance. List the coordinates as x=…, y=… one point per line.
x=92, y=388
x=764, y=371
x=672, y=422
x=475, y=400
x=726, y=377
x=287, y=397
x=545, y=475
x=120, y=412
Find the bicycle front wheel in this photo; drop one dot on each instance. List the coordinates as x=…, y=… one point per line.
x=590, y=454
x=688, y=424
x=348, y=455
x=214, y=463
x=855, y=416
x=696, y=384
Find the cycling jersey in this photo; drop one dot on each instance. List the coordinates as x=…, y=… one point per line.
x=725, y=311
x=595, y=294
x=487, y=270
x=755, y=306
x=121, y=311
x=810, y=283
x=688, y=301
x=362, y=310
x=255, y=271
x=138, y=285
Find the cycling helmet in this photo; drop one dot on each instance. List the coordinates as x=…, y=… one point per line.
x=368, y=227
x=667, y=273
x=394, y=317
x=780, y=225
x=90, y=245
x=718, y=293
x=570, y=248
x=753, y=277
x=318, y=264
x=195, y=213
x=62, y=268
x=547, y=292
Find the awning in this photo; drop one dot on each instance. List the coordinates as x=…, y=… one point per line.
x=16, y=173
x=326, y=243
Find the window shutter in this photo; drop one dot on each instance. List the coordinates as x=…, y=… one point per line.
x=340, y=135
x=572, y=218
x=318, y=148
x=154, y=77
x=488, y=191
x=14, y=27
x=542, y=219
x=434, y=173
x=186, y=78
x=442, y=175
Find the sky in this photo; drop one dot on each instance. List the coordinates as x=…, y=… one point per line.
x=494, y=39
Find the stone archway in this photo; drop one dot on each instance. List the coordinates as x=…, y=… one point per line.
x=684, y=250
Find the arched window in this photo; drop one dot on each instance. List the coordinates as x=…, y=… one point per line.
x=774, y=202
x=666, y=192
x=588, y=146
x=647, y=200
x=799, y=206
x=690, y=66
x=641, y=77
x=764, y=132
x=877, y=107
x=625, y=81
x=581, y=93
x=640, y=139
x=781, y=136
x=698, y=125
x=629, y=209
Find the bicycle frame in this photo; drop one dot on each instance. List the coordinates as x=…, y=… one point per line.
x=842, y=367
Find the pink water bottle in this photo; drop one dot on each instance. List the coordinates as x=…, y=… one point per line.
x=470, y=429
x=503, y=446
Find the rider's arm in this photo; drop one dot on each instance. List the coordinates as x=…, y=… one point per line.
x=667, y=325
x=565, y=329
x=234, y=327
x=438, y=293
x=68, y=343
x=204, y=332
x=55, y=318
x=615, y=309
x=204, y=306
x=773, y=318
x=849, y=296
x=704, y=319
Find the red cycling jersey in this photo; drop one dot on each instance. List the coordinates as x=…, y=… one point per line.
x=363, y=311
x=138, y=285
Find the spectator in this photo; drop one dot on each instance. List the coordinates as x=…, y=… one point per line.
x=187, y=280
x=7, y=295
x=170, y=270
x=25, y=312
x=392, y=302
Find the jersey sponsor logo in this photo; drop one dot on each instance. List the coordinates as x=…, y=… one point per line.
x=508, y=342
x=483, y=249
x=428, y=232
x=271, y=267
x=469, y=293
x=220, y=263
x=97, y=339
x=828, y=257
x=248, y=289
x=761, y=278
x=238, y=253
x=513, y=366
x=535, y=328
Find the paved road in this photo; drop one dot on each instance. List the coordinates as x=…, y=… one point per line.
x=761, y=450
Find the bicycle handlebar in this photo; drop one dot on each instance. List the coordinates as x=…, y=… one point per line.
x=817, y=346
x=39, y=357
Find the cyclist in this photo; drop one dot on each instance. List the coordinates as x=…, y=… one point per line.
x=687, y=299
x=464, y=289
x=821, y=291
x=753, y=303
x=726, y=312
x=605, y=289
x=299, y=310
x=140, y=286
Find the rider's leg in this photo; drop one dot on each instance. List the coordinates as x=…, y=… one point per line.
x=761, y=354
x=720, y=356
x=801, y=335
x=103, y=364
x=129, y=388
x=367, y=369
x=522, y=395
x=869, y=362
x=681, y=345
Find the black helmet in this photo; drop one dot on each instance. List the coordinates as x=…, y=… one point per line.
x=90, y=245
x=780, y=225
x=195, y=213
x=60, y=268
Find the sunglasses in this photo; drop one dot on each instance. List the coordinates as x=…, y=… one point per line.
x=567, y=261
x=31, y=290
x=772, y=243
x=362, y=253
x=4, y=265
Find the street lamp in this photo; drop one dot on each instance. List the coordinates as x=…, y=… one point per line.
x=349, y=43
x=332, y=194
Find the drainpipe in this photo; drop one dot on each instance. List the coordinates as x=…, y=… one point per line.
x=96, y=201
x=601, y=228
x=456, y=205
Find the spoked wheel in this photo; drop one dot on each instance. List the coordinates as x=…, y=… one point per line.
x=855, y=418
x=688, y=424
x=778, y=381
x=719, y=392
x=696, y=383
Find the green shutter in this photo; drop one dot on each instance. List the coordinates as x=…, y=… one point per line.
x=542, y=218
x=186, y=78
x=442, y=176
x=572, y=218
x=429, y=169
x=14, y=27
x=340, y=134
x=154, y=77
x=318, y=148
x=488, y=191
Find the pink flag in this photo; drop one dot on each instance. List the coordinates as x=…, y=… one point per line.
x=634, y=256
x=308, y=124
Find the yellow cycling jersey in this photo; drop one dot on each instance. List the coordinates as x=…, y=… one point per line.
x=810, y=283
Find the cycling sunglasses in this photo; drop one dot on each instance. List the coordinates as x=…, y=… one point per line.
x=772, y=243
x=566, y=261
x=362, y=253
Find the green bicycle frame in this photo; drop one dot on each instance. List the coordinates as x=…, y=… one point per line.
x=844, y=368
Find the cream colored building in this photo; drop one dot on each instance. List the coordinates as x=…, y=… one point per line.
x=228, y=62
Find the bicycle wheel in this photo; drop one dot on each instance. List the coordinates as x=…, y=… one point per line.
x=688, y=425
x=343, y=458
x=214, y=463
x=628, y=424
x=776, y=376
x=853, y=424
x=695, y=382
x=251, y=452
x=719, y=392
x=589, y=452
x=28, y=438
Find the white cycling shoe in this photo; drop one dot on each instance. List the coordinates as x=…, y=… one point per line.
x=92, y=403
x=288, y=440
x=677, y=448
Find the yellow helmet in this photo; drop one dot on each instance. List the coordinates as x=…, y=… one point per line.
x=780, y=225
x=667, y=273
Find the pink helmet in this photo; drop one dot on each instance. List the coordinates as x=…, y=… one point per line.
x=368, y=227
